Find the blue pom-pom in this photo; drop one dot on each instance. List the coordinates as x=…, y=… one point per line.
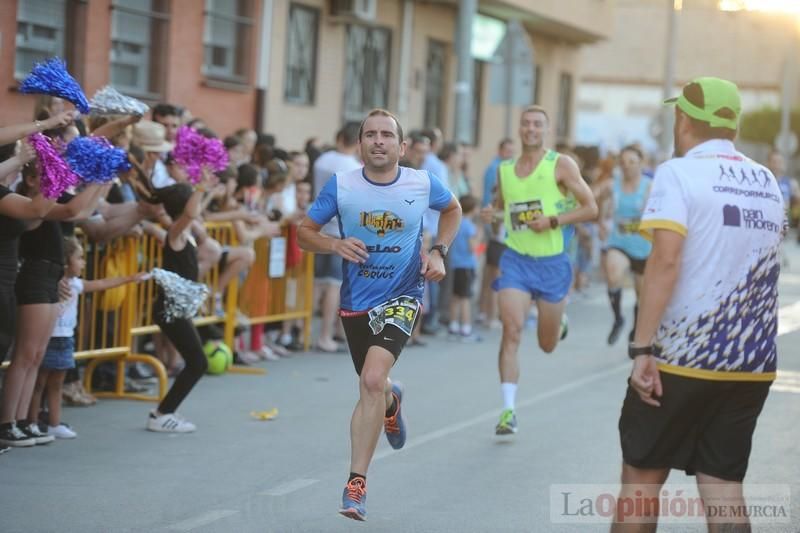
x=95, y=160
x=51, y=77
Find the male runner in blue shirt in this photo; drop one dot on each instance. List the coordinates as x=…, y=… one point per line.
x=380, y=209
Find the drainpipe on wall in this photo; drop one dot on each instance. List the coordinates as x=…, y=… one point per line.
x=404, y=76
x=262, y=65
x=463, y=89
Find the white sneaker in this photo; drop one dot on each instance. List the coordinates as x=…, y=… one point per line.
x=169, y=423
x=268, y=354
x=61, y=432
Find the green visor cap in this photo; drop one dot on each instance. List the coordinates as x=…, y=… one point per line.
x=717, y=94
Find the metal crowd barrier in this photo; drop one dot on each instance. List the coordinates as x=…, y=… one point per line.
x=110, y=323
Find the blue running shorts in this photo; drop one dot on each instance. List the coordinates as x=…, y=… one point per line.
x=548, y=278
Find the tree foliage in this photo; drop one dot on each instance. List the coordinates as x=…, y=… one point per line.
x=763, y=125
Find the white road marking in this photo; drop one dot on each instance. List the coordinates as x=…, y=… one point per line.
x=787, y=381
x=289, y=487
x=491, y=415
x=190, y=524
x=789, y=318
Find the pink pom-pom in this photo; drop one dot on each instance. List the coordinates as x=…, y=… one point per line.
x=193, y=151
x=55, y=174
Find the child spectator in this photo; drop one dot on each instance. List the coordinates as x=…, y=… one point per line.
x=464, y=262
x=59, y=354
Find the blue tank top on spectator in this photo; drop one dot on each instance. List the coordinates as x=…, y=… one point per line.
x=628, y=208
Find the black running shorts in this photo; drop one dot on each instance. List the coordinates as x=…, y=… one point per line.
x=463, y=281
x=494, y=251
x=701, y=426
x=637, y=265
x=360, y=338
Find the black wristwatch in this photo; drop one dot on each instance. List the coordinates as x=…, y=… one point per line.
x=441, y=248
x=634, y=351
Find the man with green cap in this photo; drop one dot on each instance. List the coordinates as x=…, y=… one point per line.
x=704, y=349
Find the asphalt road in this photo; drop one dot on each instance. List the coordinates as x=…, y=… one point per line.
x=237, y=474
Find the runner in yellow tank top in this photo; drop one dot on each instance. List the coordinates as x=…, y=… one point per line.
x=535, y=195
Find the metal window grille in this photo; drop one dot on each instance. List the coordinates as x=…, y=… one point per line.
x=301, y=55
x=227, y=39
x=138, y=39
x=435, y=73
x=40, y=33
x=367, y=54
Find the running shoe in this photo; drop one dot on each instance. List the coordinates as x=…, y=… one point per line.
x=616, y=329
x=564, y=327
x=395, y=426
x=507, y=424
x=354, y=499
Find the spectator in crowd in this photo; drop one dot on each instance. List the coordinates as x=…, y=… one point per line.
x=237, y=154
x=494, y=235
x=37, y=294
x=419, y=147
x=328, y=267
x=59, y=354
x=168, y=116
x=464, y=261
x=248, y=138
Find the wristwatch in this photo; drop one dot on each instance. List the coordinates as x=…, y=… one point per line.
x=553, y=222
x=635, y=351
x=441, y=248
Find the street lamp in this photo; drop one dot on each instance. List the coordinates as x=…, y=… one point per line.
x=665, y=136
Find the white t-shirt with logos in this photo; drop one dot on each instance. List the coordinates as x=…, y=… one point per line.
x=326, y=165
x=68, y=316
x=722, y=320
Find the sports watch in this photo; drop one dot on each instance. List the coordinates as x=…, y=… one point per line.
x=635, y=351
x=441, y=248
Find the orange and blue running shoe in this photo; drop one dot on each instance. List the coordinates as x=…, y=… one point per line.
x=395, y=426
x=354, y=499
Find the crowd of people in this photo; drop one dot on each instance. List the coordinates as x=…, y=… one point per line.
x=401, y=238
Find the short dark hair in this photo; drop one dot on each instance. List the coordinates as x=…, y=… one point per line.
x=265, y=138
x=633, y=148
x=174, y=198
x=504, y=141
x=382, y=113
x=416, y=138
x=165, y=110
x=468, y=203
x=231, y=141
x=430, y=133
x=447, y=150
x=247, y=176
x=280, y=153
x=349, y=134
x=227, y=173
x=693, y=92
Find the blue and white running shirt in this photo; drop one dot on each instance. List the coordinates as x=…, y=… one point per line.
x=388, y=219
